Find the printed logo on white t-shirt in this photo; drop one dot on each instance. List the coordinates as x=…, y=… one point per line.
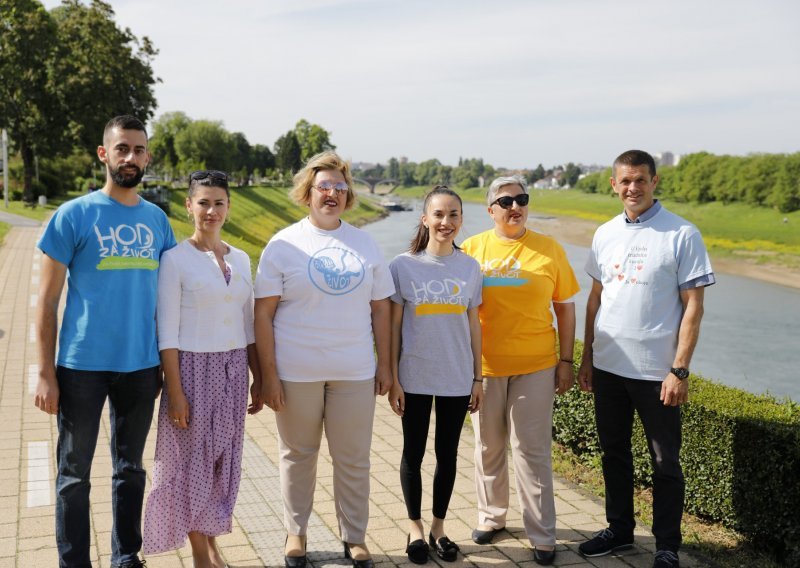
x=627, y=266
x=335, y=271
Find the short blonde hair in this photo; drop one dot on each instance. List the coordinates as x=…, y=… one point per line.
x=304, y=179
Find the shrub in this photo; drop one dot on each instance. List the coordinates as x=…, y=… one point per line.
x=740, y=456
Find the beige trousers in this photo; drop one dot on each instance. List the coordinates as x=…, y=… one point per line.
x=518, y=409
x=346, y=410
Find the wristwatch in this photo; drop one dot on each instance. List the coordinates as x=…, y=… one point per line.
x=680, y=372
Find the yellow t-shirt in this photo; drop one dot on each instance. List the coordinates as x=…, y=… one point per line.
x=521, y=278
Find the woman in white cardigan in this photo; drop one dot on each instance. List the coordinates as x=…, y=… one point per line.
x=205, y=335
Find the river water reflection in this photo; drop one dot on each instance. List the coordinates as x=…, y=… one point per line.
x=750, y=337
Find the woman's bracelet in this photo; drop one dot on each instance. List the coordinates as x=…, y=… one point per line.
x=477, y=380
x=570, y=361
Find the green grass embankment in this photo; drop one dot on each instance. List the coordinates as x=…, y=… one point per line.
x=4, y=229
x=734, y=226
x=257, y=213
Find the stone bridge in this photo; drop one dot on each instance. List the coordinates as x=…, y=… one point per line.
x=372, y=184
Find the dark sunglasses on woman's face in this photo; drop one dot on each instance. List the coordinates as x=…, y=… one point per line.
x=507, y=201
x=203, y=174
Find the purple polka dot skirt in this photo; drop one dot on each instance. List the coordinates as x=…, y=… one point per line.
x=197, y=471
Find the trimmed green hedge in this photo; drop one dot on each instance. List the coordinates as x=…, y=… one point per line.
x=740, y=456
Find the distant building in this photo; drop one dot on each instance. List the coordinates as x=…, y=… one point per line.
x=548, y=182
x=666, y=159
x=590, y=169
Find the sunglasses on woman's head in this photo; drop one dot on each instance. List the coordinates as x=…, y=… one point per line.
x=507, y=201
x=203, y=174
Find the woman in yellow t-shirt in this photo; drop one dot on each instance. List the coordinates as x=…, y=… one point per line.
x=524, y=274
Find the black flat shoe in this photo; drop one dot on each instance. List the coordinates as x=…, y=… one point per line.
x=544, y=557
x=417, y=551
x=484, y=537
x=368, y=563
x=445, y=548
x=295, y=561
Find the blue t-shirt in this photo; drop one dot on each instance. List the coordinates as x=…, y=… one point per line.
x=112, y=254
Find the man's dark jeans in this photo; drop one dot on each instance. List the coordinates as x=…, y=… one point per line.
x=82, y=396
x=616, y=398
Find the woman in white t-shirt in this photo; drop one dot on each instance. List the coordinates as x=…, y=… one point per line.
x=322, y=312
x=436, y=359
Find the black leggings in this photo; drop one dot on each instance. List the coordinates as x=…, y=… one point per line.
x=450, y=413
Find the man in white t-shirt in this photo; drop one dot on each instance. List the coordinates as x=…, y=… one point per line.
x=649, y=269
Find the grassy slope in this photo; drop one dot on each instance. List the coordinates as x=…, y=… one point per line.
x=4, y=228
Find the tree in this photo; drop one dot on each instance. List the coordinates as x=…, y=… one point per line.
x=204, y=144
x=537, y=174
x=758, y=175
x=427, y=172
x=312, y=139
x=693, y=178
x=571, y=175
x=162, y=140
x=31, y=106
x=287, y=153
x=785, y=194
x=241, y=154
x=65, y=74
x=263, y=158
x=102, y=70
x=393, y=169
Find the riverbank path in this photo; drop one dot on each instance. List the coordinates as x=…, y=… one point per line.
x=27, y=469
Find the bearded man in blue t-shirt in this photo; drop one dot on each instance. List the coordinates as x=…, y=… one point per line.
x=649, y=270
x=107, y=245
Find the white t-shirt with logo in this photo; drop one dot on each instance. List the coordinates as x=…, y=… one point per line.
x=641, y=266
x=326, y=281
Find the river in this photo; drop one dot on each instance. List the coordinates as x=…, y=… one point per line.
x=749, y=337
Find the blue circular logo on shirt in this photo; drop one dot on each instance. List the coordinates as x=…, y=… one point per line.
x=336, y=271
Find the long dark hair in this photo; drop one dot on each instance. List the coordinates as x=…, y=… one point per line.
x=420, y=241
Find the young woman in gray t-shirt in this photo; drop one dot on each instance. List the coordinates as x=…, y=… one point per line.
x=436, y=358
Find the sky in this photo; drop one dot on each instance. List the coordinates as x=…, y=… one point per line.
x=516, y=83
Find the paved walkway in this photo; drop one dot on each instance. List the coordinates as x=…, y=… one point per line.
x=28, y=437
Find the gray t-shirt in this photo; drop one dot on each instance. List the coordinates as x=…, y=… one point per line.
x=436, y=292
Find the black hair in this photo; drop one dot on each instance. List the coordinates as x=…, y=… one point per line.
x=208, y=178
x=123, y=122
